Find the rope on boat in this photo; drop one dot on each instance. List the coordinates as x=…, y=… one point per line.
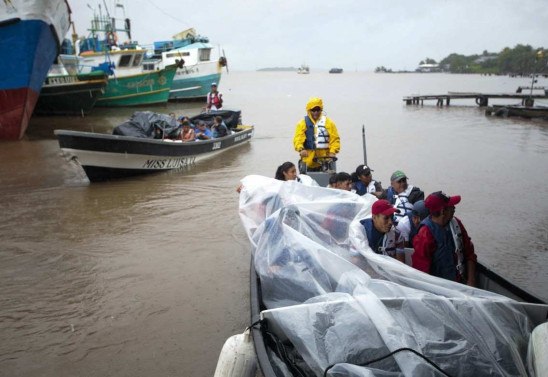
x=392, y=353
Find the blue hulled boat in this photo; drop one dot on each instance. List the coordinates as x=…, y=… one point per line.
x=31, y=33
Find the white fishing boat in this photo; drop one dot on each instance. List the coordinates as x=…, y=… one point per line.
x=142, y=145
x=201, y=62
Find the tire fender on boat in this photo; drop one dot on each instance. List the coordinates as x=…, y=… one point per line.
x=237, y=358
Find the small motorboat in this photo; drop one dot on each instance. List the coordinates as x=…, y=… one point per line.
x=105, y=156
x=322, y=303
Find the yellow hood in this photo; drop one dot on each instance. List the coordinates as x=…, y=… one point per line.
x=312, y=103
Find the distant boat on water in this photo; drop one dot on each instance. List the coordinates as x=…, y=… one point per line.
x=336, y=70
x=31, y=33
x=303, y=69
x=201, y=65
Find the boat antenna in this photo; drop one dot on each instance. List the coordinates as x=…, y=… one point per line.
x=364, y=147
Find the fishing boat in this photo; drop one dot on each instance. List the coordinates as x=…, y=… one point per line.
x=336, y=70
x=65, y=93
x=130, y=82
x=323, y=303
x=31, y=33
x=201, y=64
x=110, y=156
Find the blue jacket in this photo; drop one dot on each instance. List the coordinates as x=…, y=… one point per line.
x=374, y=237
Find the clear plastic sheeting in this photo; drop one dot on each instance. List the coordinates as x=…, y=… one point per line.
x=336, y=302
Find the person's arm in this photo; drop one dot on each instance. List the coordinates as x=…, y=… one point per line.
x=425, y=246
x=208, y=103
x=334, y=139
x=299, y=137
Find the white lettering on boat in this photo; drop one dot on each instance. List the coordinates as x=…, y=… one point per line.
x=61, y=80
x=216, y=145
x=240, y=137
x=169, y=163
x=140, y=84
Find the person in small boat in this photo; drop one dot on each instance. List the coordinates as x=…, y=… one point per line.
x=408, y=226
x=202, y=132
x=442, y=245
x=214, y=99
x=363, y=183
x=187, y=134
x=219, y=128
x=343, y=181
x=401, y=194
x=288, y=172
x=382, y=236
x=316, y=136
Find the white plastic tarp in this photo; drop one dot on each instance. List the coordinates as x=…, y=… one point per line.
x=340, y=303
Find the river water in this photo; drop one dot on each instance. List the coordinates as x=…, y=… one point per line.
x=148, y=276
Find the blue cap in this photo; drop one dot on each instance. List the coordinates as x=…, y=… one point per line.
x=181, y=117
x=420, y=210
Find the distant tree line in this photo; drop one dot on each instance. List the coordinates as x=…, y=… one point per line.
x=520, y=60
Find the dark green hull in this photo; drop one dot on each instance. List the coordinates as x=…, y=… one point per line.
x=70, y=94
x=142, y=89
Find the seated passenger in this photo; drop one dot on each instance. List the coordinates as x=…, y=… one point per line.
x=188, y=133
x=203, y=133
x=288, y=172
x=442, y=245
x=382, y=237
x=343, y=181
x=401, y=195
x=219, y=128
x=408, y=226
x=363, y=183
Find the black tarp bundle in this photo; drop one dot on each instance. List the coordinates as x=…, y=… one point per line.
x=230, y=117
x=147, y=124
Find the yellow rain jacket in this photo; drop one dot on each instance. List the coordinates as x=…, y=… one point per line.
x=301, y=137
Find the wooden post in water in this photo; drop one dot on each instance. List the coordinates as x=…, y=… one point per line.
x=364, y=147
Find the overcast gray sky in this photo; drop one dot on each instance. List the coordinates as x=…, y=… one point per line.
x=360, y=34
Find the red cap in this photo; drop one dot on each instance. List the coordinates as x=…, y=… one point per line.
x=436, y=201
x=383, y=207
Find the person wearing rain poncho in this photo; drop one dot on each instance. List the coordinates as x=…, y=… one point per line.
x=316, y=135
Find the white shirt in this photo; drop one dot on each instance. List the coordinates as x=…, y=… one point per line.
x=404, y=227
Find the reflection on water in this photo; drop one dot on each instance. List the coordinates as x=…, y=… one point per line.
x=149, y=275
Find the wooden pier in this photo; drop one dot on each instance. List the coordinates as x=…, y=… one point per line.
x=482, y=99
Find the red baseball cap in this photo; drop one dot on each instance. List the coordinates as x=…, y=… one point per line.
x=383, y=207
x=436, y=201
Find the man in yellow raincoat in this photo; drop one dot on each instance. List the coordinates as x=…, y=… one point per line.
x=316, y=135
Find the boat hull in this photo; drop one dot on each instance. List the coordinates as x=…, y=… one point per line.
x=30, y=35
x=518, y=111
x=146, y=88
x=194, y=81
x=105, y=157
x=70, y=94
